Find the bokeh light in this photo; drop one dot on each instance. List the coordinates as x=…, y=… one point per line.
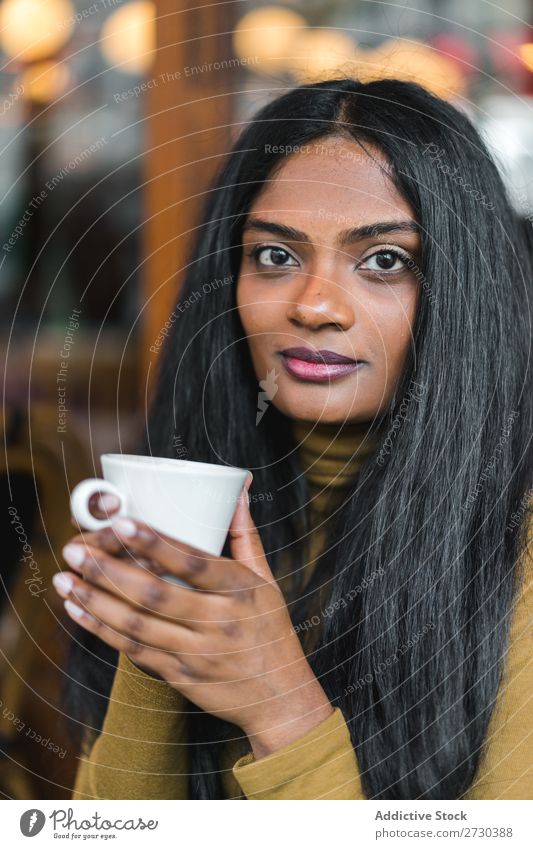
x=128, y=37
x=268, y=35
x=34, y=29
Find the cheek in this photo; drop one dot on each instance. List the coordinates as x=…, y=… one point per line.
x=394, y=327
x=259, y=310
x=257, y=323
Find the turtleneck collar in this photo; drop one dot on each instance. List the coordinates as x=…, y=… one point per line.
x=331, y=454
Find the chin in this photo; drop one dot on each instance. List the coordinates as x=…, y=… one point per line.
x=299, y=410
x=340, y=414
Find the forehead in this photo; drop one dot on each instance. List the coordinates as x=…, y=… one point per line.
x=332, y=180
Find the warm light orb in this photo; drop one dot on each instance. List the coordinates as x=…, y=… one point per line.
x=265, y=37
x=526, y=54
x=34, y=29
x=411, y=61
x=320, y=54
x=128, y=37
x=45, y=81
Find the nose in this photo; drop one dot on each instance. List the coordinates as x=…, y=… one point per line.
x=321, y=302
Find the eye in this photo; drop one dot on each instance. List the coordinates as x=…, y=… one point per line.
x=387, y=260
x=277, y=256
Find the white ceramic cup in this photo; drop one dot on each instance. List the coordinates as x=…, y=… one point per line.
x=189, y=501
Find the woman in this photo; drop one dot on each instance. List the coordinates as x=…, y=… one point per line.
x=364, y=634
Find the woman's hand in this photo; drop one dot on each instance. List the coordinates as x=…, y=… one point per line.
x=227, y=643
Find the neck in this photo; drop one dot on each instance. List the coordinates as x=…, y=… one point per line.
x=332, y=453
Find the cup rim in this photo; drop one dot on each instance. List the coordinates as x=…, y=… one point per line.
x=173, y=463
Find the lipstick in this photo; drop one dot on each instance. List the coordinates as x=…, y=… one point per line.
x=318, y=366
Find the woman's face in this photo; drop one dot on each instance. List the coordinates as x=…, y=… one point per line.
x=330, y=256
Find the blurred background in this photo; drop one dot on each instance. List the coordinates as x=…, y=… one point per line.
x=113, y=118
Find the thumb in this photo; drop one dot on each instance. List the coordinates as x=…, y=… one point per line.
x=245, y=542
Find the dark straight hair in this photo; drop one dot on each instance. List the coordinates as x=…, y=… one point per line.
x=414, y=660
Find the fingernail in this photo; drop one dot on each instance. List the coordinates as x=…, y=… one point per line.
x=76, y=611
x=108, y=502
x=249, y=480
x=124, y=527
x=74, y=554
x=63, y=583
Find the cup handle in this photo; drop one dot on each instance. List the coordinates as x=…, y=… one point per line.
x=79, y=502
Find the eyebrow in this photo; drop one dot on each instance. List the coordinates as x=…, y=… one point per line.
x=345, y=237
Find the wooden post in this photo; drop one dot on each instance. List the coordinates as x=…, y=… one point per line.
x=188, y=127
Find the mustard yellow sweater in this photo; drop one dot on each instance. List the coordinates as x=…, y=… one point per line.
x=142, y=751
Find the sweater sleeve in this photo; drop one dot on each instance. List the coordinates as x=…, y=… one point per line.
x=323, y=765
x=320, y=765
x=141, y=752
x=506, y=769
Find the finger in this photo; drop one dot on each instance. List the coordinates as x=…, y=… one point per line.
x=101, y=505
x=84, y=537
x=199, y=569
x=112, y=544
x=145, y=658
x=148, y=592
x=138, y=630
x=172, y=667
x=245, y=542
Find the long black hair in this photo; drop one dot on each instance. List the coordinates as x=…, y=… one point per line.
x=414, y=660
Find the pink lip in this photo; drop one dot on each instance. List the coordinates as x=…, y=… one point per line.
x=318, y=372
x=322, y=356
